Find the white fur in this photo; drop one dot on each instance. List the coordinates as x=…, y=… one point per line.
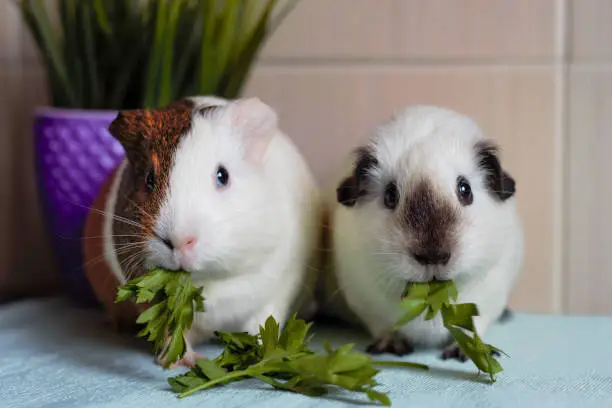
x=208, y=100
x=370, y=258
x=110, y=255
x=255, y=237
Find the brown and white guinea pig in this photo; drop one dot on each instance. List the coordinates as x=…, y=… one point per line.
x=425, y=199
x=215, y=188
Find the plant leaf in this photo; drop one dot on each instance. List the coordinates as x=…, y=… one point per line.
x=460, y=315
x=175, y=302
x=439, y=297
x=210, y=369
x=378, y=397
x=48, y=42
x=441, y=293
x=151, y=313
x=284, y=362
x=165, y=86
x=207, y=56
x=344, y=361
x=154, y=67
x=237, y=73
x=118, y=54
x=294, y=336
x=102, y=16
x=269, y=336
x=413, y=309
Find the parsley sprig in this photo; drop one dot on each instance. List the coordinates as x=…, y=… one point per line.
x=174, y=302
x=436, y=297
x=283, y=358
x=284, y=361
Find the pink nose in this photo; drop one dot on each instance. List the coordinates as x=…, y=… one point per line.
x=187, y=244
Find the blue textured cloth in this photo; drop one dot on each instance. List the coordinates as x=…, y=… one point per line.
x=54, y=355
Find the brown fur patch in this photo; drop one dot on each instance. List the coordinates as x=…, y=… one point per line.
x=150, y=139
x=103, y=282
x=431, y=221
x=155, y=162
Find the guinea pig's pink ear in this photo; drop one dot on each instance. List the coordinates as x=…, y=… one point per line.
x=256, y=123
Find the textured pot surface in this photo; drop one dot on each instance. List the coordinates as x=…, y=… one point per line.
x=75, y=154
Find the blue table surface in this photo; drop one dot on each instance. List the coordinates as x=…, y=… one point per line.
x=56, y=355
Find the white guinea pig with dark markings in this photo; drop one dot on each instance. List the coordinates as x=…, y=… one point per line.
x=426, y=199
x=215, y=188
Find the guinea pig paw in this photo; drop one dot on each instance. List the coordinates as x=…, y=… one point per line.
x=392, y=343
x=188, y=360
x=453, y=352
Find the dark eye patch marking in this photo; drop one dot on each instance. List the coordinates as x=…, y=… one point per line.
x=498, y=182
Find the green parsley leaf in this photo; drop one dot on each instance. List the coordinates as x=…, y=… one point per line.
x=269, y=336
x=436, y=297
x=210, y=369
x=294, y=337
x=378, y=396
x=414, y=308
x=283, y=360
x=460, y=315
x=441, y=293
x=175, y=302
x=280, y=358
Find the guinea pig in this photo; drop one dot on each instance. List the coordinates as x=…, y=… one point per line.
x=215, y=188
x=425, y=199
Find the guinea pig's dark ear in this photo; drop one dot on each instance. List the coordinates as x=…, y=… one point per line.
x=348, y=191
x=500, y=183
x=353, y=187
x=129, y=128
x=180, y=104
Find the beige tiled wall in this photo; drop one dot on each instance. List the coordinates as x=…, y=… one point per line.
x=588, y=188
x=534, y=73
x=336, y=68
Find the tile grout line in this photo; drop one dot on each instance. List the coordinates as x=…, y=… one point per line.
x=560, y=273
x=382, y=62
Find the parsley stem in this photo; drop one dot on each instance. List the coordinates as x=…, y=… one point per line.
x=212, y=383
x=270, y=381
x=400, y=364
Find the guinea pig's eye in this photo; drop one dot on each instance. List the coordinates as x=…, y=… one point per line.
x=222, y=176
x=464, y=191
x=391, y=196
x=150, y=180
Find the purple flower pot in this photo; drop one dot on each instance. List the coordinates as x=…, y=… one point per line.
x=75, y=154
